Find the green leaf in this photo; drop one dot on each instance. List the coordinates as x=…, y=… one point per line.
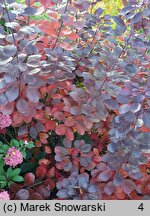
x=1, y=165
x=1, y=171
x=24, y=154
x=21, y=142
x=9, y=172
x=1, y=156
x=5, y=147
x=10, y=183
x=14, y=142
x=84, y=137
x=2, y=151
x=2, y=178
x=3, y=184
x=15, y=172
x=30, y=145
x=18, y=178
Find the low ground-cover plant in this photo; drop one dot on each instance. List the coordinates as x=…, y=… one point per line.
x=74, y=100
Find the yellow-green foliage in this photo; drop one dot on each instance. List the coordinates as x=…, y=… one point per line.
x=111, y=7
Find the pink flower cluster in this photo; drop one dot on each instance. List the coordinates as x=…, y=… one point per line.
x=5, y=121
x=13, y=157
x=4, y=195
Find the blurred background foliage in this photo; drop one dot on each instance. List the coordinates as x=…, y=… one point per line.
x=111, y=7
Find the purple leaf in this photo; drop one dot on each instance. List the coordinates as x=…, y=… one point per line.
x=82, y=6
x=122, y=99
x=22, y=106
x=124, y=108
x=118, y=179
x=32, y=94
x=109, y=188
x=92, y=188
x=9, y=16
x=136, y=175
x=63, y=193
x=126, y=10
x=22, y=130
x=131, y=69
x=111, y=103
x=61, y=150
x=105, y=175
x=137, y=18
x=128, y=186
x=33, y=132
x=2, y=83
x=34, y=71
x=67, y=143
x=83, y=180
x=101, y=110
x=98, y=12
x=148, y=93
x=145, y=138
x=146, y=118
x=85, y=161
x=111, y=147
x=135, y=107
x=130, y=117
x=4, y=62
x=9, y=50
x=12, y=94
x=85, y=148
x=30, y=11
x=8, y=109
x=40, y=127
x=118, y=20
x=22, y=194
x=75, y=110
x=101, y=166
x=10, y=1
x=9, y=78
x=12, y=25
x=147, y=12
x=28, y=30
x=125, y=92
x=3, y=99
x=68, y=166
x=136, y=152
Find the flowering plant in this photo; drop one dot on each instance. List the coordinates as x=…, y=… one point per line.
x=4, y=195
x=11, y=156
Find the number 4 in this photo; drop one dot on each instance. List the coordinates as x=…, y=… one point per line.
x=141, y=207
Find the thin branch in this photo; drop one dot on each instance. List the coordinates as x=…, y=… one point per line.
x=123, y=49
x=113, y=65
x=28, y=15
x=91, y=50
x=115, y=62
x=15, y=43
x=9, y=134
x=4, y=139
x=35, y=184
x=145, y=52
x=61, y=25
x=14, y=40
